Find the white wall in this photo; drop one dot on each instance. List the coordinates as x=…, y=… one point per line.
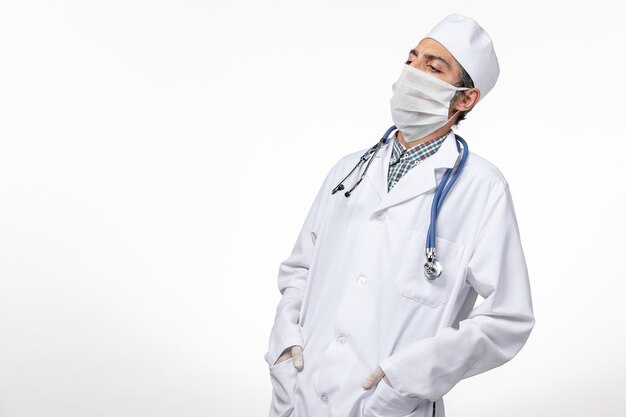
x=157, y=160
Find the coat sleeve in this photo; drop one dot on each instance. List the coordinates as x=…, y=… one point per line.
x=293, y=273
x=494, y=331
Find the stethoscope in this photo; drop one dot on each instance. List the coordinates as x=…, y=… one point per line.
x=432, y=267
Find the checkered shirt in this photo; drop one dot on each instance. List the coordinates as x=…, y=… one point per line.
x=403, y=159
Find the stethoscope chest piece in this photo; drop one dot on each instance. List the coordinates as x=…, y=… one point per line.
x=432, y=267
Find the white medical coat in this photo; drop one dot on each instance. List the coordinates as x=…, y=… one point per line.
x=354, y=295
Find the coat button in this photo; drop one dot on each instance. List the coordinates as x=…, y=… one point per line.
x=361, y=280
x=324, y=398
x=381, y=219
x=342, y=339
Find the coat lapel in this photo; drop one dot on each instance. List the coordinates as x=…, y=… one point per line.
x=418, y=180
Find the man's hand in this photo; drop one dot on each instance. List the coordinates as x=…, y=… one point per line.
x=374, y=378
x=295, y=353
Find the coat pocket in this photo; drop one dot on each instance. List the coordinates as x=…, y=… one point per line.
x=410, y=279
x=385, y=401
x=283, y=379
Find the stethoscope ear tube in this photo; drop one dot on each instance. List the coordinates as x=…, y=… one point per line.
x=368, y=156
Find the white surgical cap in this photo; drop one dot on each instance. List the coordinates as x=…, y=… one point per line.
x=471, y=46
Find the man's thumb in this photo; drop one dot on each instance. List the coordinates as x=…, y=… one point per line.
x=296, y=357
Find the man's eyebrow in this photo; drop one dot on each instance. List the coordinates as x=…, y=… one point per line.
x=431, y=57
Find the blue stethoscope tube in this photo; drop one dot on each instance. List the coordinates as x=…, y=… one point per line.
x=432, y=267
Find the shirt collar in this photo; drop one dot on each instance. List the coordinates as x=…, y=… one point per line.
x=415, y=152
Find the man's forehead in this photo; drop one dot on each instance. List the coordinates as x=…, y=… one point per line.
x=433, y=49
x=433, y=46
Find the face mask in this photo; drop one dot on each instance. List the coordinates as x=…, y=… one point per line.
x=420, y=103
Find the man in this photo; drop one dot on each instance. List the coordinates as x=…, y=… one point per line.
x=359, y=330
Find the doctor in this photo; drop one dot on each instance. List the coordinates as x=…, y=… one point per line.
x=359, y=330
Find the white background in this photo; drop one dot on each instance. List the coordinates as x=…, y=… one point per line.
x=157, y=160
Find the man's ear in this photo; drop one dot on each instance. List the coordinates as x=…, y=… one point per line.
x=467, y=100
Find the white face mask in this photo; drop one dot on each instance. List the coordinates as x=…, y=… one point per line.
x=420, y=103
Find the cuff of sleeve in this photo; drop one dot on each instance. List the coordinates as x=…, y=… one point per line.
x=391, y=371
x=289, y=336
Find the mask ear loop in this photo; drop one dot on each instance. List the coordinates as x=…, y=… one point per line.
x=458, y=111
x=452, y=117
x=447, y=121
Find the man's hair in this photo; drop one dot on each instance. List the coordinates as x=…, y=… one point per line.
x=466, y=81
